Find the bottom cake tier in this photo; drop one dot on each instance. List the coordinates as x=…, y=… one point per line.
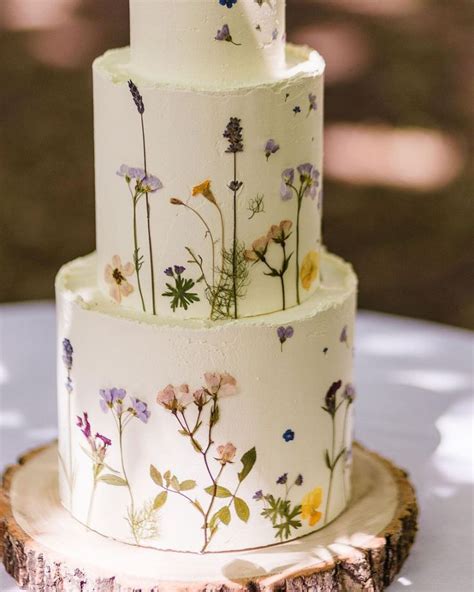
x=205, y=436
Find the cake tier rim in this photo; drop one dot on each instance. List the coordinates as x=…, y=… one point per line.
x=304, y=54
x=97, y=302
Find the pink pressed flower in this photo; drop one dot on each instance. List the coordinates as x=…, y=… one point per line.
x=183, y=396
x=116, y=275
x=228, y=385
x=199, y=397
x=213, y=382
x=166, y=397
x=280, y=232
x=260, y=245
x=226, y=453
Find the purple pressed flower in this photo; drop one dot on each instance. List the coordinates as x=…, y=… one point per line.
x=285, y=333
x=224, y=35
x=169, y=271
x=131, y=173
x=84, y=425
x=299, y=480
x=258, y=495
x=282, y=479
x=287, y=179
x=179, y=269
x=112, y=398
x=68, y=385
x=343, y=336
x=349, y=393
x=289, y=435
x=271, y=147
x=150, y=184
x=137, y=97
x=309, y=176
x=296, y=109
x=67, y=354
x=140, y=409
x=233, y=133
x=330, y=398
x=274, y=34
x=313, y=105
x=105, y=441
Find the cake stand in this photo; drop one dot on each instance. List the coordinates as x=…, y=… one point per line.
x=46, y=550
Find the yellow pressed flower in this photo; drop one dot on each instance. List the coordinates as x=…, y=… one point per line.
x=309, y=269
x=310, y=505
x=204, y=189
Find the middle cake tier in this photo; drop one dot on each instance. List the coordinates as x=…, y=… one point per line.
x=205, y=436
x=208, y=202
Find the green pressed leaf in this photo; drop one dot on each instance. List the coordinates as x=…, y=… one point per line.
x=160, y=500
x=248, y=461
x=197, y=447
x=219, y=491
x=198, y=506
x=156, y=475
x=187, y=485
x=327, y=460
x=113, y=480
x=167, y=477
x=241, y=509
x=174, y=483
x=223, y=515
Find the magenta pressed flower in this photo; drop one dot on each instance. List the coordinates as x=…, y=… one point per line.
x=105, y=441
x=84, y=425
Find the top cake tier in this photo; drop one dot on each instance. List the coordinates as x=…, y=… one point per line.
x=208, y=42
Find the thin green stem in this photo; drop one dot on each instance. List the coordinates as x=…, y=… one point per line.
x=69, y=476
x=209, y=233
x=344, y=435
x=282, y=273
x=91, y=501
x=234, y=241
x=300, y=200
x=136, y=252
x=124, y=472
x=148, y=218
x=208, y=536
x=331, y=474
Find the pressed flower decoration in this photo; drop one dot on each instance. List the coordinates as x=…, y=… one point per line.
x=256, y=205
x=278, y=234
x=124, y=410
x=271, y=147
x=143, y=184
x=179, y=293
x=191, y=409
x=313, y=105
x=344, y=337
x=309, y=269
x=310, y=506
x=284, y=333
x=67, y=359
x=279, y=509
x=228, y=3
x=296, y=109
x=116, y=275
x=98, y=446
x=288, y=435
x=306, y=184
x=224, y=35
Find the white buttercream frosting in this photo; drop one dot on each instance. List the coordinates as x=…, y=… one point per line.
x=208, y=42
x=183, y=135
x=273, y=412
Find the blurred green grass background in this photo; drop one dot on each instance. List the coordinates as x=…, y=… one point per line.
x=399, y=138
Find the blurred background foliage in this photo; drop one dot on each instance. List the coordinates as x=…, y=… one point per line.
x=399, y=139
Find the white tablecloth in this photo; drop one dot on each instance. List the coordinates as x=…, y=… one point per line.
x=415, y=406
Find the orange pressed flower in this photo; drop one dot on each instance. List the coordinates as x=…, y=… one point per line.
x=310, y=505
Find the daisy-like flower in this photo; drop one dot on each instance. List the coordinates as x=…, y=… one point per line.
x=310, y=504
x=222, y=384
x=112, y=399
x=226, y=453
x=309, y=176
x=270, y=148
x=116, y=276
x=309, y=269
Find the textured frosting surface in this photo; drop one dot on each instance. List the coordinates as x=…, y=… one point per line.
x=207, y=41
x=212, y=429
x=230, y=225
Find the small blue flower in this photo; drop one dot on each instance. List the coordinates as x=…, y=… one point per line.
x=169, y=271
x=296, y=109
x=289, y=435
x=228, y=3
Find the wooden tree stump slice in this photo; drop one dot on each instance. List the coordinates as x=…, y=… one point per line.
x=46, y=550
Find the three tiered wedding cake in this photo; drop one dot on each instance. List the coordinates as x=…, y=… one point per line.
x=205, y=350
